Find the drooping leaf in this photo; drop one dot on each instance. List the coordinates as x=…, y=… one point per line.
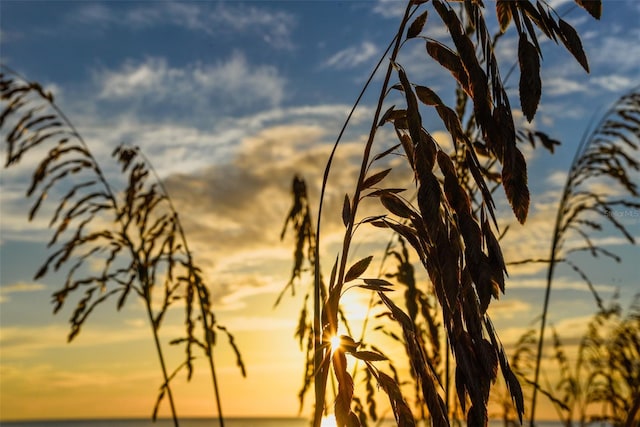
x=594, y=7
x=346, y=210
x=357, y=269
x=503, y=12
x=514, y=180
x=386, y=116
x=571, y=40
x=530, y=84
x=395, y=205
x=342, y=404
x=449, y=60
x=375, y=178
x=417, y=25
x=427, y=96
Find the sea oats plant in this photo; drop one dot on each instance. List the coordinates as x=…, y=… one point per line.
x=134, y=234
x=446, y=214
x=607, y=154
x=601, y=382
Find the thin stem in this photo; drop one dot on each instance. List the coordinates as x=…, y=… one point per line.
x=322, y=372
x=199, y=287
x=112, y=198
x=156, y=339
x=317, y=294
x=556, y=244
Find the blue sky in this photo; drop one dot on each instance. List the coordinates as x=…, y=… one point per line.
x=229, y=100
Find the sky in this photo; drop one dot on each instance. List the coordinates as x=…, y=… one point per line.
x=229, y=100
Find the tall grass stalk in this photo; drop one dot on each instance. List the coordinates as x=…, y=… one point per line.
x=450, y=229
x=146, y=248
x=605, y=152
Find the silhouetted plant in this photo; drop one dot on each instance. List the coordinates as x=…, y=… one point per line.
x=601, y=382
x=605, y=155
x=134, y=235
x=450, y=229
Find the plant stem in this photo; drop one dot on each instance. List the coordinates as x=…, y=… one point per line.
x=554, y=259
x=200, y=287
x=154, y=329
x=209, y=352
x=110, y=195
x=322, y=372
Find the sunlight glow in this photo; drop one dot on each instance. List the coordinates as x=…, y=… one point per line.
x=335, y=343
x=328, y=421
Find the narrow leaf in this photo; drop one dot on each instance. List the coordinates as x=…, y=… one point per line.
x=503, y=12
x=395, y=205
x=374, y=179
x=369, y=356
x=530, y=85
x=357, y=269
x=571, y=40
x=594, y=7
x=417, y=25
x=346, y=210
x=427, y=96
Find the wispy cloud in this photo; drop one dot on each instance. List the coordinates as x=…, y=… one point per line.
x=352, y=56
x=389, y=8
x=19, y=287
x=234, y=83
x=273, y=27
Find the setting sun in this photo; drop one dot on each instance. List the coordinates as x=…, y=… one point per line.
x=335, y=342
x=330, y=421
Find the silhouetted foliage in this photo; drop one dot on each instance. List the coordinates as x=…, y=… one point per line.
x=451, y=224
x=133, y=234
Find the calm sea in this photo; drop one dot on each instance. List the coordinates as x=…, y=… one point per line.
x=202, y=422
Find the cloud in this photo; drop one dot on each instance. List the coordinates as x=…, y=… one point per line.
x=226, y=86
x=18, y=287
x=93, y=14
x=273, y=27
x=389, y=8
x=352, y=56
x=508, y=309
x=559, y=283
x=563, y=85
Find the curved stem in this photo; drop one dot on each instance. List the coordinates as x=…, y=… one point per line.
x=317, y=294
x=163, y=367
x=558, y=232
x=321, y=371
x=114, y=202
x=202, y=293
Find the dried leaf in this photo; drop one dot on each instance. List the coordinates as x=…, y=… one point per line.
x=386, y=116
x=357, y=269
x=385, y=153
x=514, y=181
x=395, y=205
x=503, y=12
x=594, y=7
x=342, y=405
x=375, y=178
x=346, y=210
x=449, y=60
x=571, y=40
x=530, y=84
x=417, y=25
x=427, y=96
x=378, y=282
x=369, y=356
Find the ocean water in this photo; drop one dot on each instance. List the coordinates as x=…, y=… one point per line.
x=204, y=422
